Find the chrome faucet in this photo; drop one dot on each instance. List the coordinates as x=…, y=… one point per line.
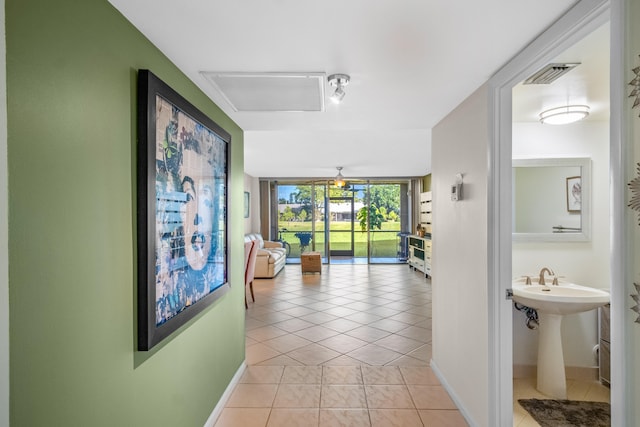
x=541, y=278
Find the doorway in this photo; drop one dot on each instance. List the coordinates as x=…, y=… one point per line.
x=561, y=235
x=581, y=20
x=341, y=215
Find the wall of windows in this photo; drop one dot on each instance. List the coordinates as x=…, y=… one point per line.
x=363, y=222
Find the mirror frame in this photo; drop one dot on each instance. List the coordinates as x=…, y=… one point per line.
x=585, y=235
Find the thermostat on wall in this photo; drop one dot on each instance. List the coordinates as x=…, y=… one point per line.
x=456, y=192
x=456, y=189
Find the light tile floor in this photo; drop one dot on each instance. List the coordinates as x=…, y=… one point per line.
x=348, y=347
x=525, y=388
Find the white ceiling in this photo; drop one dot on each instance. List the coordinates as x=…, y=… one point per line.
x=586, y=84
x=410, y=61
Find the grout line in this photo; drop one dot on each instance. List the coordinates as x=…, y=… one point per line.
x=370, y=289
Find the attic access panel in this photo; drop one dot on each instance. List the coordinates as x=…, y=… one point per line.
x=270, y=92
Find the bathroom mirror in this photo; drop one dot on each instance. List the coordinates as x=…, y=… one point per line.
x=551, y=200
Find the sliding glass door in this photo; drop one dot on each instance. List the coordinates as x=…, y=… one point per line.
x=301, y=218
x=341, y=229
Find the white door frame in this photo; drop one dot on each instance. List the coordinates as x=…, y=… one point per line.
x=582, y=19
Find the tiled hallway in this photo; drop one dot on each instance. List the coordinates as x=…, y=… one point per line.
x=349, y=347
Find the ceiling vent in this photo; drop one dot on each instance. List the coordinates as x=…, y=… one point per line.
x=270, y=92
x=550, y=73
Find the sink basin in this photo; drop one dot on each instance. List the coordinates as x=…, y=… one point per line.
x=552, y=303
x=566, y=298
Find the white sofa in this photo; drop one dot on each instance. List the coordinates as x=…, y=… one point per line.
x=271, y=256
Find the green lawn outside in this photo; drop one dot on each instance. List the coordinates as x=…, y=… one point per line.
x=384, y=243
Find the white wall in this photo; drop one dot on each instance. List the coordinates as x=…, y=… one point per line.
x=460, y=300
x=4, y=235
x=252, y=185
x=585, y=263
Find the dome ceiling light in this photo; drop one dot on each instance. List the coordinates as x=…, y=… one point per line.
x=564, y=115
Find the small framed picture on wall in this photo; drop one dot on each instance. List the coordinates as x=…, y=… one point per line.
x=574, y=194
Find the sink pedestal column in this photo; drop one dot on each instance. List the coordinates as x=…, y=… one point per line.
x=551, y=376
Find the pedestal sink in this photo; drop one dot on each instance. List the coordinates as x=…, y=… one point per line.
x=552, y=303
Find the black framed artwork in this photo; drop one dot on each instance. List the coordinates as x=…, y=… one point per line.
x=183, y=179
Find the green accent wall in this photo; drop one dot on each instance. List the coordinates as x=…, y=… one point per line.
x=71, y=84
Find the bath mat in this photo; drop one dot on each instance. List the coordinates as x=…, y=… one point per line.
x=568, y=413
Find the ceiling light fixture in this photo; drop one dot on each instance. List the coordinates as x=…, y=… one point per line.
x=339, y=180
x=564, y=115
x=339, y=81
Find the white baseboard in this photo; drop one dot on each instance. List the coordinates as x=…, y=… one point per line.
x=225, y=396
x=452, y=394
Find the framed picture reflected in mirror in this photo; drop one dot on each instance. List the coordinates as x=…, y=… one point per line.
x=574, y=194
